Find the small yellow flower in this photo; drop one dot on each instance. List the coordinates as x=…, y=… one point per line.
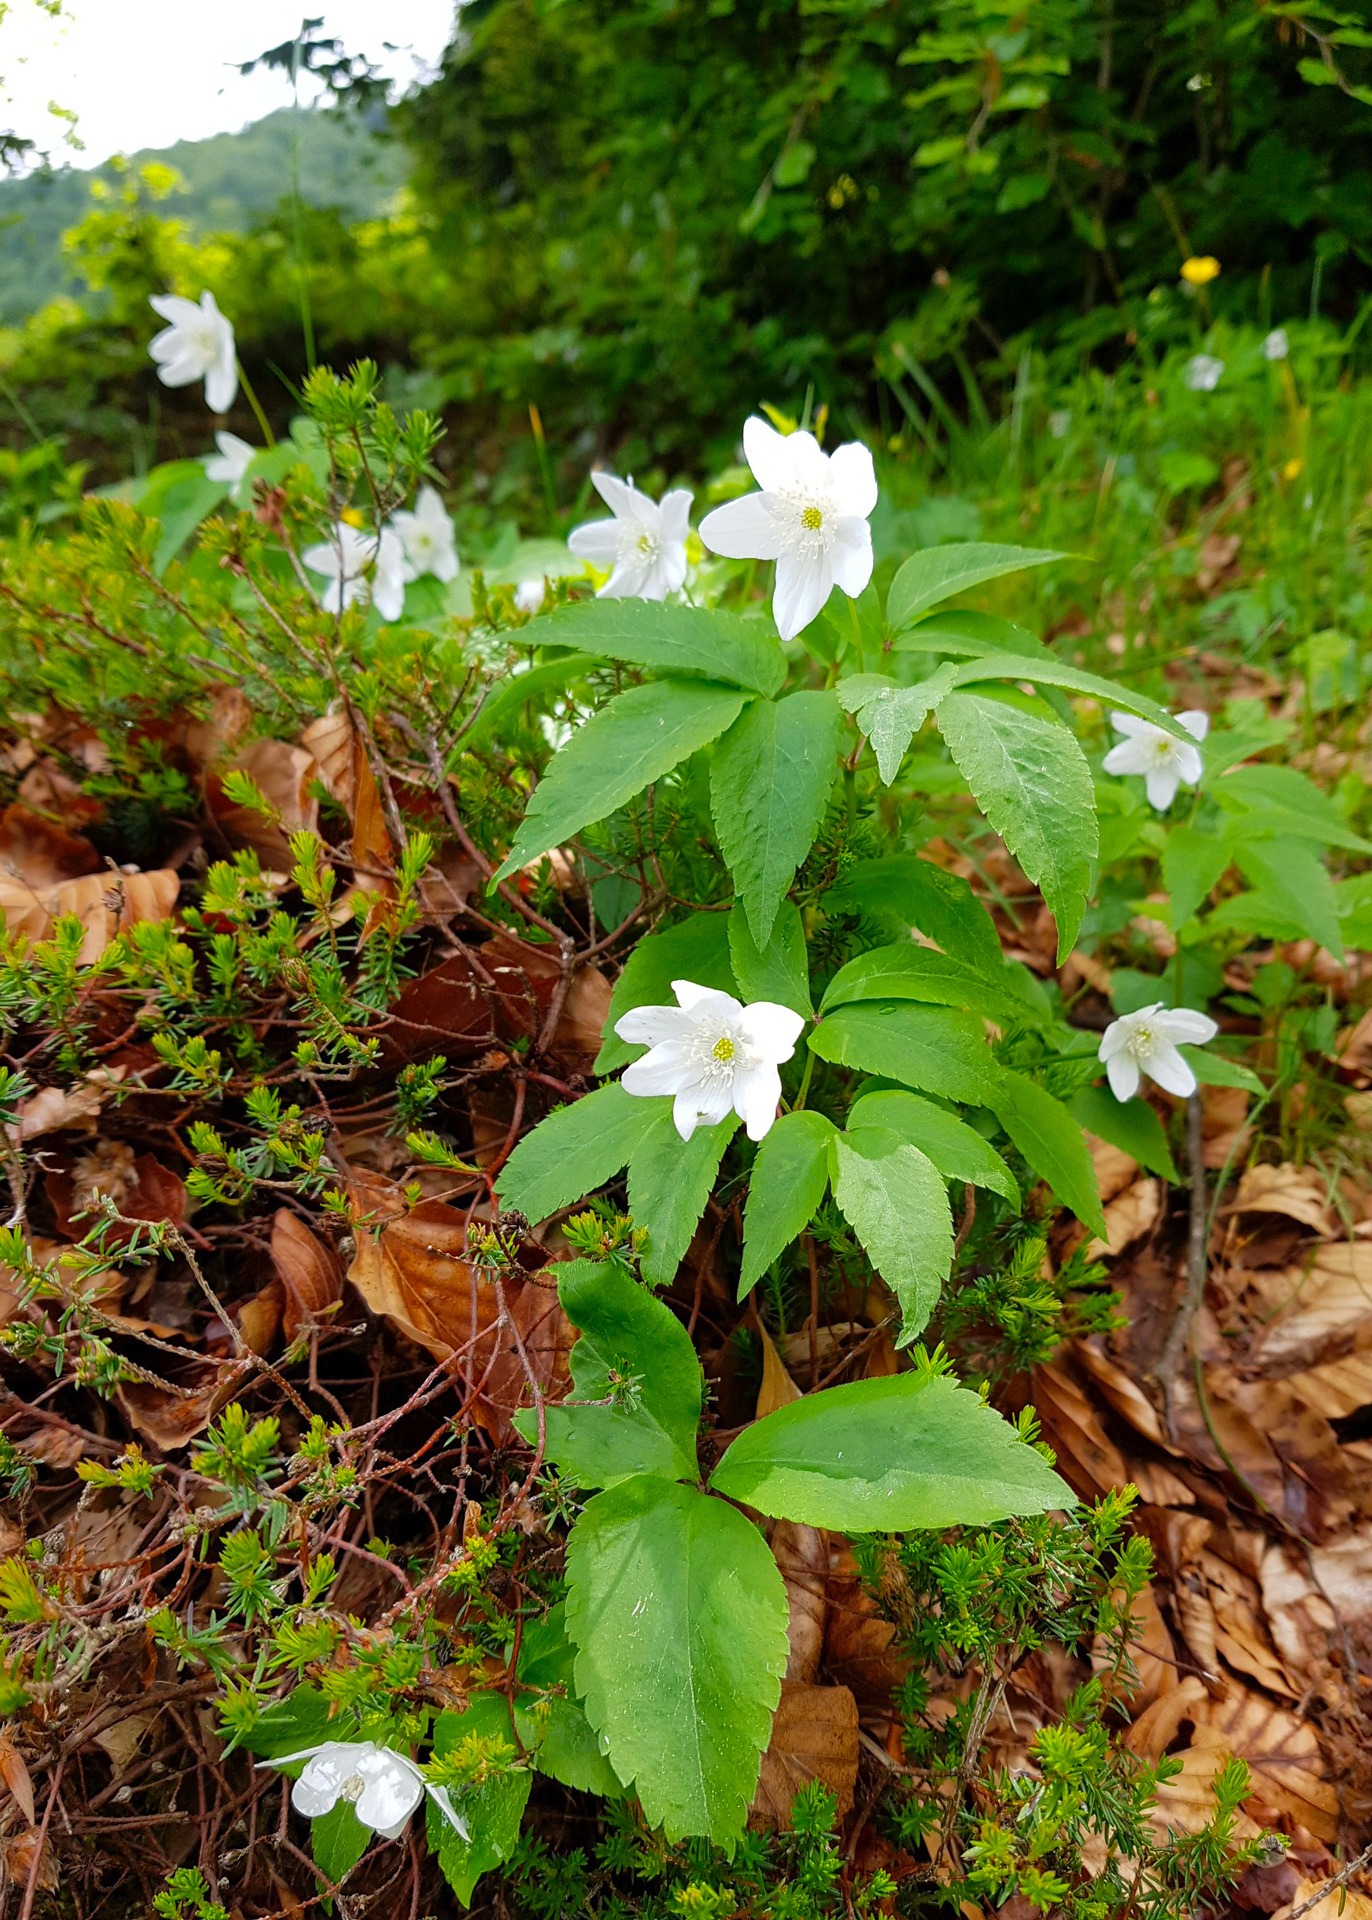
x=1200, y=270
x=354, y=516
x=1293, y=469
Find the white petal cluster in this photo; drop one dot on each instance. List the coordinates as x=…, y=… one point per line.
x=365, y=568
x=1203, y=372
x=196, y=344
x=810, y=517
x=231, y=463
x=1276, y=346
x=1146, y=1042
x=712, y=1055
x=427, y=539
x=382, y=1787
x=644, y=546
x=1165, y=762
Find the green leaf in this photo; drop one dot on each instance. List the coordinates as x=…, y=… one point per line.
x=906, y=892
x=669, y=1182
x=525, y=689
x=575, y=1151
x=492, y=1808
x=884, y=1455
x=891, y=716
x=908, y=972
x=788, y=1180
x=769, y=786
x=642, y=734
x=1292, y=876
x=181, y=508
x=780, y=971
x=1031, y=780
x=957, y=1150
x=939, y=572
x=551, y=1722
x=1048, y=672
x=733, y=647
x=1130, y=1125
x=935, y=1049
x=1051, y=1141
x=894, y=1199
x=679, y=1618
x=624, y=1331
x=1192, y=862
x=1288, y=804
x=338, y=1841
x=305, y=1718
x=1217, y=1070
x=961, y=631
x=696, y=949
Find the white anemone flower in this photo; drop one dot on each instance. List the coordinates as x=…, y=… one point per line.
x=360, y=567
x=231, y=463
x=427, y=538
x=1146, y=1042
x=1165, y=762
x=1203, y=372
x=382, y=1787
x=1276, y=346
x=196, y=344
x=810, y=517
x=644, y=546
x=712, y=1055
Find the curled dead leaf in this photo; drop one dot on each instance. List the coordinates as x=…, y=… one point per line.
x=814, y=1737
x=105, y=903
x=310, y=1272
x=15, y=1775
x=1129, y=1216
x=802, y=1557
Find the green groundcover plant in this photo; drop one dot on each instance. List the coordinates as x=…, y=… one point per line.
x=814, y=1046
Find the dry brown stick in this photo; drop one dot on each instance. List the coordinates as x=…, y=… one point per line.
x=1173, y=1355
x=35, y=1865
x=1340, y=1879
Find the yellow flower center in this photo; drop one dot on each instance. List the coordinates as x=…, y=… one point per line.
x=723, y=1050
x=646, y=543
x=812, y=519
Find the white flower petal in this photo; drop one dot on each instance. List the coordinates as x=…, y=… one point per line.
x=394, y=1788
x=804, y=583
x=676, y=516
x=756, y=1092
x=706, y=1000
x=175, y=309
x=1123, y=1074
x=766, y=452
x=1166, y=1066
x=1130, y=756
x=746, y=529
x=598, y=541
x=852, y=555
x=771, y=1030
x=853, y=479
x=1160, y=784
x=221, y=384
x=443, y=1800
x=626, y=502
x=650, y=1026
x=1189, y=1028
x=1195, y=721
x=661, y=1070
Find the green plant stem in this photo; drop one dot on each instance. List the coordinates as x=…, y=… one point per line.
x=256, y=405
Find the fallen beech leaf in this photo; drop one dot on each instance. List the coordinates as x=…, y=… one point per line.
x=1115, y=1169
x=1326, y=1303
x=1128, y=1217
x=802, y=1557
x=1297, y=1192
x=859, y=1650
x=1240, y=1634
x=449, y=1006
x=1340, y=1903
x=285, y=774
x=62, y=1109
x=345, y=771
x=122, y=1741
x=1224, y=1126
x=1338, y=1388
x=1087, y=1458
x=138, y=1184
x=259, y=1319
x=226, y=722
x=1153, y=1653
x=1283, y=1754
x=1159, y=1724
x=526, y=979
x=814, y=1737
x=105, y=904
x=1299, y=1617
x=16, y=1777
x=311, y=1273
x=778, y=1389
x=415, y=1273
x=171, y=1421
x=331, y=741
x=41, y=853
x=1123, y=1392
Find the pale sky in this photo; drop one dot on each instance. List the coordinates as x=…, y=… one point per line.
x=145, y=73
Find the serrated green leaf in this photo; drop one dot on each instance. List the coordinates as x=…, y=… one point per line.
x=732, y=647
x=525, y=689
x=935, y=1049
x=1052, y=673
x=679, y=1618
x=908, y=972
x=787, y=1184
x=669, y=1182
x=1051, y=1141
x=493, y=1809
x=906, y=892
x=891, y=716
x=940, y=572
x=1288, y=804
x=879, y=1456
x=769, y=786
x=894, y=1199
x=1130, y=1125
x=957, y=1150
x=1031, y=780
x=550, y=1720
x=697, y=948
x=1292, y=876
x=780, y=971
x=635, y=739
x=575, y=1151
x=1192, y=862
x=623, y=1331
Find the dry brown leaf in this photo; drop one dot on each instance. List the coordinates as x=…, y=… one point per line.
x=859, y=1649
x=1341, y=1573
x=802, y=1557
x=1298, y=1616
x=16, y=1777
x=65, y=1109
x=778, y=1389
x=1159, y=1724
x=225, y=723
x=1338, y=1388
x=1224, y=1126
x=1123, y=1392
x=20, y=1857
x=259, y=1318
x=171, y=1421
x=1341, y=1903
x=1240, y=1634
x=1087, y=1458
x=814, y=1737
x=105, y=903
x=1283, y=1755
x=1115, y=1169
x=1128, y=1217
x=285, y=775
x=41, y=853
x=1297, y=1192
x=139, y=1186
x=414, y=1271
x=448, y=1006
x=122, y=1740
x=1325, y=1304
x=1152, y=1652
x=331, y=741
x=310, y=1272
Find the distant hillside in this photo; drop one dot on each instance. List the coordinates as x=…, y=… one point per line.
x=231, y=179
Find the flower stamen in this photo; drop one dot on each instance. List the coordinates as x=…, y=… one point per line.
x=812, y=519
